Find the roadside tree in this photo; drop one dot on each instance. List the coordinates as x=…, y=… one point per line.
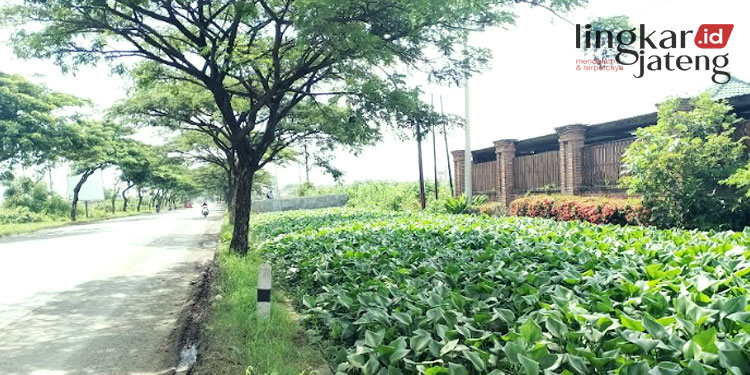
x=93, y=145
x=260, y=60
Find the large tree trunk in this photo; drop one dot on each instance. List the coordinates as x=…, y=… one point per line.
x=77, y=189
x=115, y=192
x=125, y=198
x=231, y=193
x=139, y=190
x=242, y=202
x=230, y=199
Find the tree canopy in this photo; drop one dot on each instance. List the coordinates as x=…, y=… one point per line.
x=30, y=122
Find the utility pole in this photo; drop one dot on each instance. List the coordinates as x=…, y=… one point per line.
x=434, y=149
x=447, y=153
x=467, y=117
x=307, y=165
x=421, y=172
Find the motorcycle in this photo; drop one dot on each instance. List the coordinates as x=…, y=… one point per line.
x=204, y=211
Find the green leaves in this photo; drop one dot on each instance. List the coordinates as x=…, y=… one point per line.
x=556, y=327
x=531, y=331
x=654, y=328
x=419, y=342
x=707, y=340
x=373, y=339
x=700, y=145
x=633, y=324
x=530, y=366
x=31, y=129
x=449, y=294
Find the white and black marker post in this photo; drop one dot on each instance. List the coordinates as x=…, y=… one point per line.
x=264, y=290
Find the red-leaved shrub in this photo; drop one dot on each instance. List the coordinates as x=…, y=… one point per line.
x=597, y=210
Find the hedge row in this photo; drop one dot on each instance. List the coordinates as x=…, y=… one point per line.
x=597, y=210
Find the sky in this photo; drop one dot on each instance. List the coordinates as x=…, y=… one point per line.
x=531, y=87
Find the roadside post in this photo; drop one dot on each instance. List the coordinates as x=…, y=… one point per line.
x=264, y=290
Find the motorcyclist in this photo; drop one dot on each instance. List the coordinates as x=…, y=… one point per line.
x=204, y=209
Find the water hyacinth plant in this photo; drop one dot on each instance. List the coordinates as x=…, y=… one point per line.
x=457, y=294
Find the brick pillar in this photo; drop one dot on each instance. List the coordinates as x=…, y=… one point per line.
x=505, y=152
x=571, y=138
x=458, y=171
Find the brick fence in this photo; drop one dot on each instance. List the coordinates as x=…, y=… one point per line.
x=577, y=159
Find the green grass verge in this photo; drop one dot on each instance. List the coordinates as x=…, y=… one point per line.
x=24, y=228
x=12, y=229
x=237, y=342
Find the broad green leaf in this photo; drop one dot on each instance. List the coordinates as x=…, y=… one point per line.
x=402, y=318
x=531, y=331
x=654, y=328
x=371, y=366
x=638, y=368
x=707, y=340
x=356, y=360
x=734, y=359
x=398, y=354
x=556, y=327
x=437, y=370
x=373, y=339
x=448, y=347
x=475, y=360
x=666, y=368
x=578, y=364
x=633, y=324
x=512, y=350
x=530, y=366
x=420, y=342
x=457, y=369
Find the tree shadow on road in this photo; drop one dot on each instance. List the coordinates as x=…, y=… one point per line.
x=119, y=325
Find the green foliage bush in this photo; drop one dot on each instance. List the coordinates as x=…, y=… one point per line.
x=489, y=209
x=679, y=164
x=19, y=215
x=24, y=192
x=447, y=294
x=459, y=205
x=383, y=195
x=597, y=210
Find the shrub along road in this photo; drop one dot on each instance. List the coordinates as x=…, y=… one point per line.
x=100, y=298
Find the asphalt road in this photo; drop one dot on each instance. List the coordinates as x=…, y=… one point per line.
x=100, y=298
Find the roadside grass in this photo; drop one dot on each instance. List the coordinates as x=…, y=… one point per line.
x=13, y=229
x=96, y=213
x=237, y=342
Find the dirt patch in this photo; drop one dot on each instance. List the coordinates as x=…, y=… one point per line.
x=188, y=333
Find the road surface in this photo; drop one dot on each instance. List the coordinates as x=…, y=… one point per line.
x=100, y=298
